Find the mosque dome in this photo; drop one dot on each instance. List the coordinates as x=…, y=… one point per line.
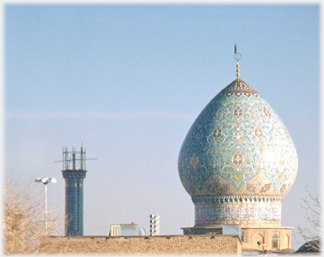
x=238, y=155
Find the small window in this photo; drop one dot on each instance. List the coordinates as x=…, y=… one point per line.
x=275, y=241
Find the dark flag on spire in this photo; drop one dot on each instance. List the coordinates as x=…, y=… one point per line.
x=235, y=49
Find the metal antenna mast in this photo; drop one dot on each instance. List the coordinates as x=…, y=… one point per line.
x=70, y=158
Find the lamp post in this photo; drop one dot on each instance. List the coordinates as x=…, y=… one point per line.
x=45, y=181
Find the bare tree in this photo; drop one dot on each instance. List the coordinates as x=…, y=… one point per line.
x=24, y=219
x=312, y=232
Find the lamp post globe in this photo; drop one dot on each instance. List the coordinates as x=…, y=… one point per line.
x=46, y=181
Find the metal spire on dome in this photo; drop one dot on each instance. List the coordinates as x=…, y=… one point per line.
x=237, y=56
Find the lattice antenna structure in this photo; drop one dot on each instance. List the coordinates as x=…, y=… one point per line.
x=74, y=160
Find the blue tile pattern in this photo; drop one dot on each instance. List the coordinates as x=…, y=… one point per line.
x=238, y=146
x=235, y=139
x=210, y=213
x=74, y=201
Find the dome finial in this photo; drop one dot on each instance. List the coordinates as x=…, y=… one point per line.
x=237, y=56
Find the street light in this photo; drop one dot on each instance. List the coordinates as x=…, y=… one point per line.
x=45, y=181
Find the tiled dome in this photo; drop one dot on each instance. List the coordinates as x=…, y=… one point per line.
x=237, y=150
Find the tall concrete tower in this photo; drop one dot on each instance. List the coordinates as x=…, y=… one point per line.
x=74, y=172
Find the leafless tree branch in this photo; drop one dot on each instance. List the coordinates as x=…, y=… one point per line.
x=24, y=219
x=313, y=211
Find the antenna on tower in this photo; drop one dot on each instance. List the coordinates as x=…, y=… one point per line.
x=76, y=158
x=74, y=172
x=237, y=57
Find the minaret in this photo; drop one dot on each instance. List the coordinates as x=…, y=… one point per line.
x=74, y=177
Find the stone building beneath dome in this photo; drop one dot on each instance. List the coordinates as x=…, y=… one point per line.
x=238, y=162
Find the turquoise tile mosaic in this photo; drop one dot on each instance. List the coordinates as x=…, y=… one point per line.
x=238, y=151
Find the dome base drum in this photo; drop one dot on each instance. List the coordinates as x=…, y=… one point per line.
x=250, y=215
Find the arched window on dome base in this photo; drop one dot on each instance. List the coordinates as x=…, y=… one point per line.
x=275, y=241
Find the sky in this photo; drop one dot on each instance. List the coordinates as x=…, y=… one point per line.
x=128, y=80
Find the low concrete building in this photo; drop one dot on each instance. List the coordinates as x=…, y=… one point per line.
x=175, y=244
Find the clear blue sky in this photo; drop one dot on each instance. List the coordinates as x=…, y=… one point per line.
x=129, y=80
